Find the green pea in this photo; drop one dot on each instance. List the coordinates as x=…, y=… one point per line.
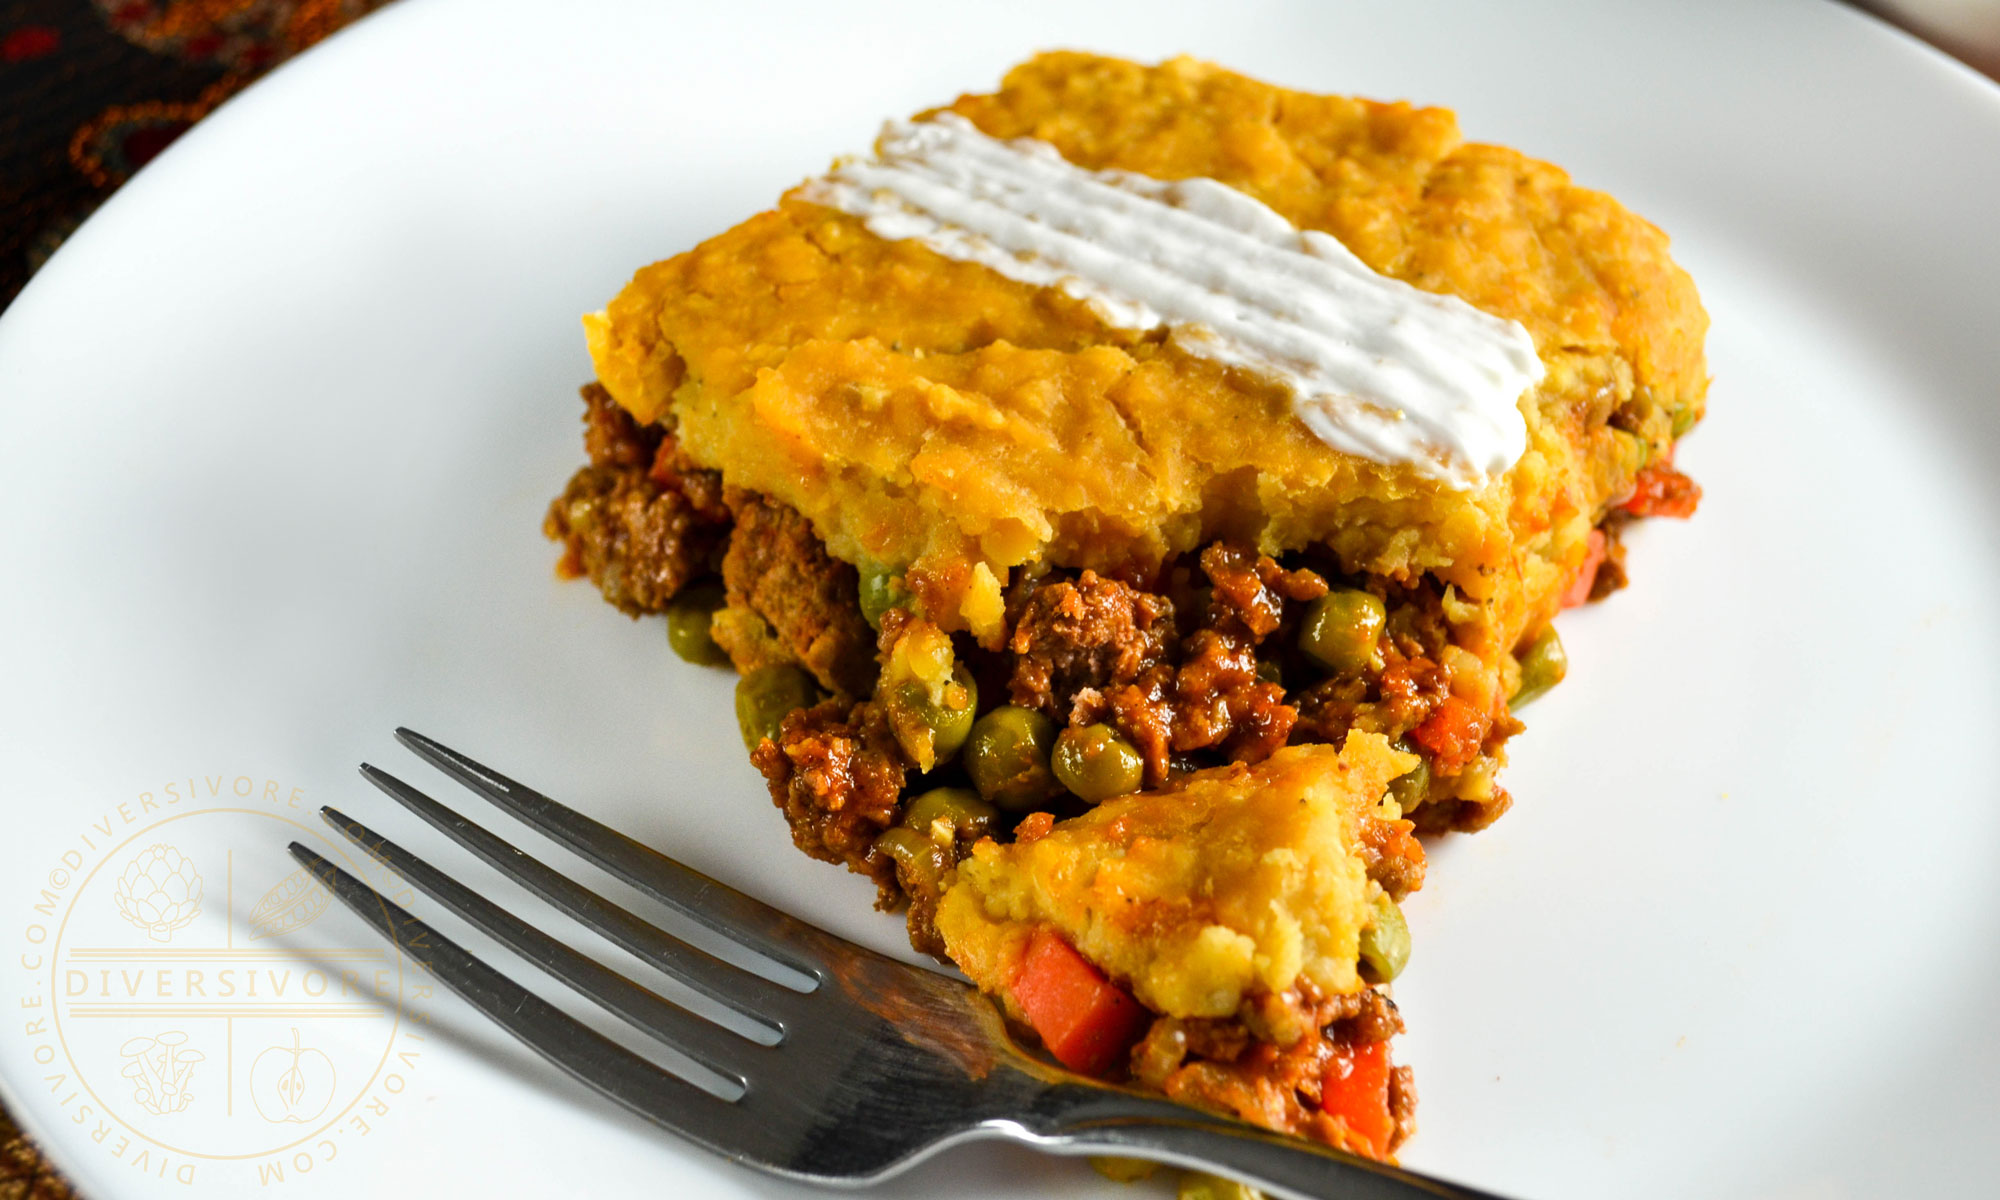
x=931, y=731
x=920, y=862
x=1007, y=757
x=961, y=809
x=1412, y=787
x=881, y=590
x=688, y=618
x=1341, y=629
x=1543, y=665
x=1385, y=944
x=1196, y=1186
x=765, y=695
x=1684, y=420
x=1096, y=764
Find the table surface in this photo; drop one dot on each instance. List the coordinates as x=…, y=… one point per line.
x=92, y=90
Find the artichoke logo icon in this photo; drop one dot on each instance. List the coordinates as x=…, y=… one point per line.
x=159, y=891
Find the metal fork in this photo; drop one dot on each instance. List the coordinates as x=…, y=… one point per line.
x=864, y=1067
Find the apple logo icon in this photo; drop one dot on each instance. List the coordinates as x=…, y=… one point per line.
x=291, y=1083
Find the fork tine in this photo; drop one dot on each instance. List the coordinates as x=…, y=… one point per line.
x=707, y=1044
x=589, y=1057
x=752, y=923
x=752, y=996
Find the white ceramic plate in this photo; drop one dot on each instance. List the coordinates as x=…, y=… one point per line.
x=277, y=428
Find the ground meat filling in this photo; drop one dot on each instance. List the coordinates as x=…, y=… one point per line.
x=837, y=774
x=1611, y=574
x=1402, y=1106
x=1462, y=816
x=1222, y=701
x=1248, y=591
x=1393, y=857
x=1090, y=633
x=807, y=601
x=1099, y=649
x=611, y=437
x=1401, y=696
x=1224, y=1066
x=639, y=532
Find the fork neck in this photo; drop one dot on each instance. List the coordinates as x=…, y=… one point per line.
x=1070, y=1118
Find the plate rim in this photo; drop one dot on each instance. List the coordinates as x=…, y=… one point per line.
x=1959, y=83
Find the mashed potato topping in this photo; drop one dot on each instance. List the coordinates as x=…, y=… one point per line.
x=1234, y=883
x=928, y=413
x=1374, y=366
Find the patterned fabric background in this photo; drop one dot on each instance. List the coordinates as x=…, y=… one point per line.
x=91, y=90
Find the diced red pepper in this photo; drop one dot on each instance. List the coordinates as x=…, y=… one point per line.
x=1452, y=733
x=1356, y=1090
x=1086, y=1021
x=1661, y=491
x=1578, y=591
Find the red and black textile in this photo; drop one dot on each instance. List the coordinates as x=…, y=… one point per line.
x=91, y=90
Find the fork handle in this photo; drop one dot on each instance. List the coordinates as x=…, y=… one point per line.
x=1123, y=1125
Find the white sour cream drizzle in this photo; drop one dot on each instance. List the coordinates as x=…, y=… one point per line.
x=1375, y=367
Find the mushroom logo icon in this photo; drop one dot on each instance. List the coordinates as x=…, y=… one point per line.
x=291, y=1084
x=159, y=891
x=159, y=1068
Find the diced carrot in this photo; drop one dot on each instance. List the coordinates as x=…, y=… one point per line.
x=1586, y=575
x=1356, y=1090
x=1084, y=1019
x=1034, y=827
x=1661, y=491
x=1452, y=733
